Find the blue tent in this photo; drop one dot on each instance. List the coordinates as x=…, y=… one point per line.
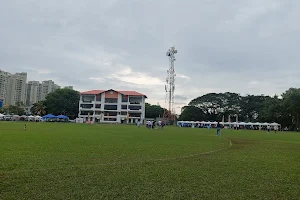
x=62, y=117
x=49, y=116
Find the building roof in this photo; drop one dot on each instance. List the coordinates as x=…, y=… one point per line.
x=127, y=93
x=94, y=92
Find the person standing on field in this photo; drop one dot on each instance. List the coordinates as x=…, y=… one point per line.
x=218, y=129
x=268, y=128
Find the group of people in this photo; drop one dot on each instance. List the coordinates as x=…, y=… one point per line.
x=269, y=128
x=152, y=124
x=219, y=126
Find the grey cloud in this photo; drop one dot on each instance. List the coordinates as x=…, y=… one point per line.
x=180, y=97
x=223, y=45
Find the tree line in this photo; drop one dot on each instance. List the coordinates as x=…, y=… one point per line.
x=283, y=109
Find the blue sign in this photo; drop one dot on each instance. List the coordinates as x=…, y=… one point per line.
x=1, y=103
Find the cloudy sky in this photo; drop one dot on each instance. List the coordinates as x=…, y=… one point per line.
x=243, y=46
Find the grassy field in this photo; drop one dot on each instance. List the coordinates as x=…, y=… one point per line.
x=79, y=161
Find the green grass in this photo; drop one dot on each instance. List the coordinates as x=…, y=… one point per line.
x=78, y=161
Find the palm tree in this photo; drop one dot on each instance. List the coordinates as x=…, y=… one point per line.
x=38, y=108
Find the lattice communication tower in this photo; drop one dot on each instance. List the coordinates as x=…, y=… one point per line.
x=169, y=115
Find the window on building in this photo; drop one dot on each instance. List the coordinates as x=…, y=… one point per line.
x=124, y=107
x=135, y=100
x=107, y=113
x=86, y=113
x=131, y=107
x=87, y=106
x=111, y=100
x=98, y=97
x=88, y=98
x=124, y=98
x=110, y=119
x=110, y=107
x=135, y=114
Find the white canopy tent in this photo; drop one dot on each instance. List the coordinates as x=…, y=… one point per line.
x=274, y=124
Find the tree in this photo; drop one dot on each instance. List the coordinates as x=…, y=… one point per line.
x=191, y=113
x=291, y=106
x=153, y=111
x=215, y=105
x=271, y=110
x=38, y=108
x=3, y=110
x=63, y=101
x=17, y=109
x=251, y=105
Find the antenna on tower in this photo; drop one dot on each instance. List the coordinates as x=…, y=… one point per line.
x=169, y=115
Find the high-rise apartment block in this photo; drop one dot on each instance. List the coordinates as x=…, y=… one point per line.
x=46, y=88
x=37, y=91
x=3, y=85
x=13, y=87
x=33, y=92
x=69, y=87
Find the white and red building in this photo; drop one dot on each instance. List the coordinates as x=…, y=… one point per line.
x=112, y=106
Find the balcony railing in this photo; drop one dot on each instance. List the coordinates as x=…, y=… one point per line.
x=87, y=109
x=86, y=102
x=140, y=110
x=135, y=103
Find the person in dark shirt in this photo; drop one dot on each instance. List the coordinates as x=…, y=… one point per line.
x=153, y=124
x=218, y=129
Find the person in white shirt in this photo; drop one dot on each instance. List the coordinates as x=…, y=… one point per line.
x=268, y=128
x=159, y=124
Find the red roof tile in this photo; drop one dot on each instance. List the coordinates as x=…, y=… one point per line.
x=127, y=93
x=94, y=92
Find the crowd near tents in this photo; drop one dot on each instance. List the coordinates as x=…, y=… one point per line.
x=46, y=118
x=235, y=125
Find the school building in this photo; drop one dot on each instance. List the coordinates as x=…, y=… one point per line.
x=112, y=106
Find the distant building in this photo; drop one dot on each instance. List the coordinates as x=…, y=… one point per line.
x=33, y=92
x=3, y=84
x=69, y=87
x=37, y=91
x=112, y=106
x=16, y=88
x=46, y=88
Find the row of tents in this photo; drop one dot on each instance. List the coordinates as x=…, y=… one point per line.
x=32, y=118
x=230, y=123
x=20, y=117
x=50, y=116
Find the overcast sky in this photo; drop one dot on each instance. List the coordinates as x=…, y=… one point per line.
x=243, y=46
